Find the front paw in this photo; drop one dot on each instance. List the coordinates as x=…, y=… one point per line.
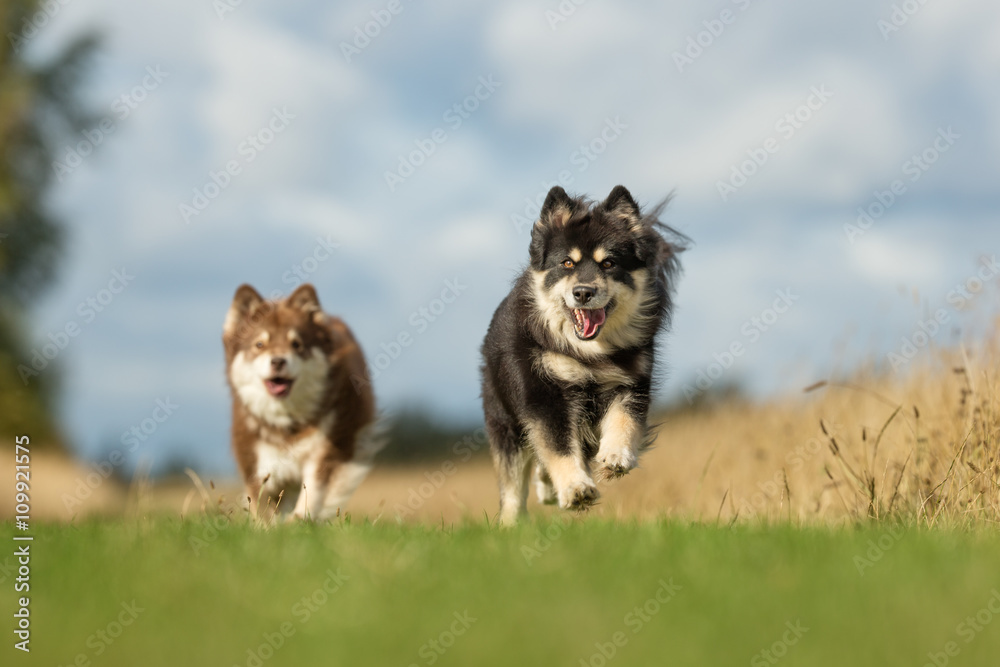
x=617, y=464
x=578, y=496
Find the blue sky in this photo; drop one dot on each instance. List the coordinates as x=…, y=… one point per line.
x=780, y=122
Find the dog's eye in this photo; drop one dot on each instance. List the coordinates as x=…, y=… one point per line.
x=568, y=264
x=296, y=345
x=607, y=264
x=260, y=345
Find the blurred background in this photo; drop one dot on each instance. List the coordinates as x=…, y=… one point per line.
x=835, y=165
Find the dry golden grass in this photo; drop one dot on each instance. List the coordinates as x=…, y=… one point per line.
x=53, y=475
x=920, y=447
x=935, y=457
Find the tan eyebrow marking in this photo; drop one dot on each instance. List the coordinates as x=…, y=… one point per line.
x=600, y=254
x=575, y=254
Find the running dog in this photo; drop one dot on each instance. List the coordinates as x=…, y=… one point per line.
x=301, y=427
x=569, y=355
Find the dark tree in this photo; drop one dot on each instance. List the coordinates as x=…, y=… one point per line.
x=40, y=110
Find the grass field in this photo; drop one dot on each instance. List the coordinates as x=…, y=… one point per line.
x=653, y=593
x=851, y=525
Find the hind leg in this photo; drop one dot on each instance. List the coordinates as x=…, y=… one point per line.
x=344, y=475
x=544, y=488
x=514, y=472
x=331, y=479
x=344, y=481
x=513, y=465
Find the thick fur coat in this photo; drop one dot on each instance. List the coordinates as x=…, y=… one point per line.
x=568, y=361
x=300, y=424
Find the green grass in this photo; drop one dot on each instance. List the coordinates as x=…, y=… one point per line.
x=404, y=585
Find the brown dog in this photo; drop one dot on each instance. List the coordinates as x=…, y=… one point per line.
x=300, y=427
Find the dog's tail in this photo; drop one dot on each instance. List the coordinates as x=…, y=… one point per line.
x=372, y=439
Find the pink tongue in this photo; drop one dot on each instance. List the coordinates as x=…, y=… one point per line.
x=592, y=319
x=278, y=388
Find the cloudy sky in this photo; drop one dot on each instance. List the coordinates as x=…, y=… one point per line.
x=773, y=122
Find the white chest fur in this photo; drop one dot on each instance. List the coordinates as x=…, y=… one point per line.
x=569, y=370
x=286, y=465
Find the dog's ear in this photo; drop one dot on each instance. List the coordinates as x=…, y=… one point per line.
x=621, y=206
x=305, y=299
x=245, y=303
x=557, y=209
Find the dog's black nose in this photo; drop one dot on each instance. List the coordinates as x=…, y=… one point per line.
x=583, y=294
x=278, y=364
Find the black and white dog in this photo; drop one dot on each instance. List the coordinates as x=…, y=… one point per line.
x=568, y=358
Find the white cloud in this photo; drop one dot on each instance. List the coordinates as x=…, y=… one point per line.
x=254, y=67
x=323, y=215
x=899, y=259
x=469, y=240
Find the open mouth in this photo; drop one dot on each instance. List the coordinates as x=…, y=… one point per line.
x=588, y=322
x=279, y=387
